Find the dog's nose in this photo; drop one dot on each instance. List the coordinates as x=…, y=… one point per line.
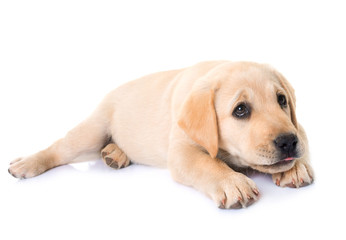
x=286, y=143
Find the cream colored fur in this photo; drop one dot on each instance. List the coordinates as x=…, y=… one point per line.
x=182, y=119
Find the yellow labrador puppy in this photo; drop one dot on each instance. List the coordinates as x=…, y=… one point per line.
x=202, y=122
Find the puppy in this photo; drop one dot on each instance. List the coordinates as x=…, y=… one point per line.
x=203, y=123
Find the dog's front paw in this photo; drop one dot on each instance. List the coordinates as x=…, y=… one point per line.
x=235, y=191
x=300, y=175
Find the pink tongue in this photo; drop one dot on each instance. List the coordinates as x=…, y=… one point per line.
x=288, y=159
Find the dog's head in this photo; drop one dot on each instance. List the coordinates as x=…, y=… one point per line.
x=248, y=110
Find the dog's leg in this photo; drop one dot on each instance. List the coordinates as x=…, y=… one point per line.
x=114, y=157
x=88, y=137
x=301, y=174
x=191, y=166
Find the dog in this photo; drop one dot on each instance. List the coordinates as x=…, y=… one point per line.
x=204, y=123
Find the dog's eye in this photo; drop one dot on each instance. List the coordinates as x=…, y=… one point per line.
x=282, y=100
x=241, y=111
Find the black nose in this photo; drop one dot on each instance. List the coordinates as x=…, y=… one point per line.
x=287, y=144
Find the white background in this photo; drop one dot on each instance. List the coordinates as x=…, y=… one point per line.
x=59, y=58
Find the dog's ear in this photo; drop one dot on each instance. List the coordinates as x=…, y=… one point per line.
x=198, y=120
x=291, y=97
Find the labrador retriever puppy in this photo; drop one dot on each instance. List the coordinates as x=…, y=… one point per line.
x=203, y=122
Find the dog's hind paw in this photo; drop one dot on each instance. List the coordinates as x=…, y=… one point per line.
x=114, y=157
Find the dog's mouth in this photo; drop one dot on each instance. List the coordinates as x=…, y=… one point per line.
x=279, y=166
x=281, y=163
